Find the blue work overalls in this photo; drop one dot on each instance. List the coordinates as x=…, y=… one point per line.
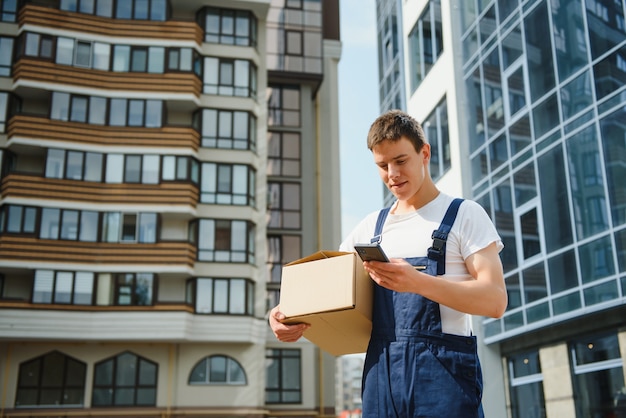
x=412, y=369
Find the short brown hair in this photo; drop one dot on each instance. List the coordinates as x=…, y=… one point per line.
x=393, y=125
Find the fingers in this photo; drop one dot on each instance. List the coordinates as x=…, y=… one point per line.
x=290, y=333
x=287, y=333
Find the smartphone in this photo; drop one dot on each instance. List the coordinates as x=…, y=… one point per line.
x=370, y=252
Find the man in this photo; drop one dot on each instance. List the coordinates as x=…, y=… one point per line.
x=444, y=267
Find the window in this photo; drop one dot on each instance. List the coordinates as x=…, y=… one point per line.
x=228, y=129
x=526, y=386
x=125, y=380
x=598, y=373
x=227, y=184
x=184, y=59
x=133, y=169
x=178, y=168
x=6, y=55
x=136, y=112
x=142, y=10
x=51, y=380
x=36, y=45
x=613, y=134
x=591, y=212
x=283, y=203
x=436, y=130
x=80, y=53
x=8, y=10
x=129, y=227
x=284, y=106
x=283, y=376
x=224, y=240
x=134, y=289
x=103, y=8
x=223, y=296
x=93, y=110
x=138, y=59
x=283, y=151
x=68, y=224
x=9, y=105
x=425, y=43
x=294, y=37
x=530, y=241
x=540, y=63
x=554, y=200
x=74, y=165
x=281, y=249
x=63, y=287
x=228, y=77
x=18, y=219
x=217, y=369
x=230, y=27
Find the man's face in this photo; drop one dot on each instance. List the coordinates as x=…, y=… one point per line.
x=401, y=167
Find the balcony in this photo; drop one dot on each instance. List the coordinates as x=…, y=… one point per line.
x=33, y=70
x=40, y=128
x=35, y=15
x=159, y=323
x=22, y=186
x=159, y=256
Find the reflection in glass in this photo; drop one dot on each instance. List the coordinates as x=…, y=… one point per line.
x=539, y=52
x=563, y=272
x=576, y=95
x=596, y=259
x=587, y=184
x=569, y=43
x=494, y=105
x=546, y=116
x=476, y=124
x=530, y=233
x=605, y=20
x=610, y=73
x=525, y=187
x=613, y=131
x=554, y=199
x=534, y=282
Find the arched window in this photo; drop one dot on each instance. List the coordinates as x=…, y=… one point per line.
x=125, y=380
x=53, y=379
x=217, y=370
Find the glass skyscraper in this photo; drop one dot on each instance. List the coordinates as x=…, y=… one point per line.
x=524, y=104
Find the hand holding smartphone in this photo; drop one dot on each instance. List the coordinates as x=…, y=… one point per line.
x=371, y=252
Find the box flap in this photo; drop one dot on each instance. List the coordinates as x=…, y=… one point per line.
x=318, y=256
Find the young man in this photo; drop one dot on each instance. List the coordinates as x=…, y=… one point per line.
x=444, y=267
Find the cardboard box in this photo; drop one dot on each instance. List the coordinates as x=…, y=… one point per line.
x=331, y=291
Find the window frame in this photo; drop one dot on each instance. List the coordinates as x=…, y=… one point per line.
x=48, y=362
x=279, y=357
x=116, y=388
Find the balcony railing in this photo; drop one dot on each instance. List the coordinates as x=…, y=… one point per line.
x=28, y=69
x=16, y=185
x=43, y=128
x=28, y=249
x=35, y=15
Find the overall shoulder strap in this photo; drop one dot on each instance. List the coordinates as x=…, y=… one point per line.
x=438, y=251
x=382, y=215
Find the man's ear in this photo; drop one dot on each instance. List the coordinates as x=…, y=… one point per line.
x=425, y=151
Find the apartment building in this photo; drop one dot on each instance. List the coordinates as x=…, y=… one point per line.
x=523, y=103
x=159, y=161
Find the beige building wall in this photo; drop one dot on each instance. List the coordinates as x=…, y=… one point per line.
x=557, y=386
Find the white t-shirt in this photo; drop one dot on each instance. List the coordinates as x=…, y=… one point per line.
x=409, y=235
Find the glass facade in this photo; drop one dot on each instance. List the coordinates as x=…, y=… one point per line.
x=546, y=94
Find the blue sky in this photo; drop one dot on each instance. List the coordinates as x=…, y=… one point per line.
x=361, y=188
